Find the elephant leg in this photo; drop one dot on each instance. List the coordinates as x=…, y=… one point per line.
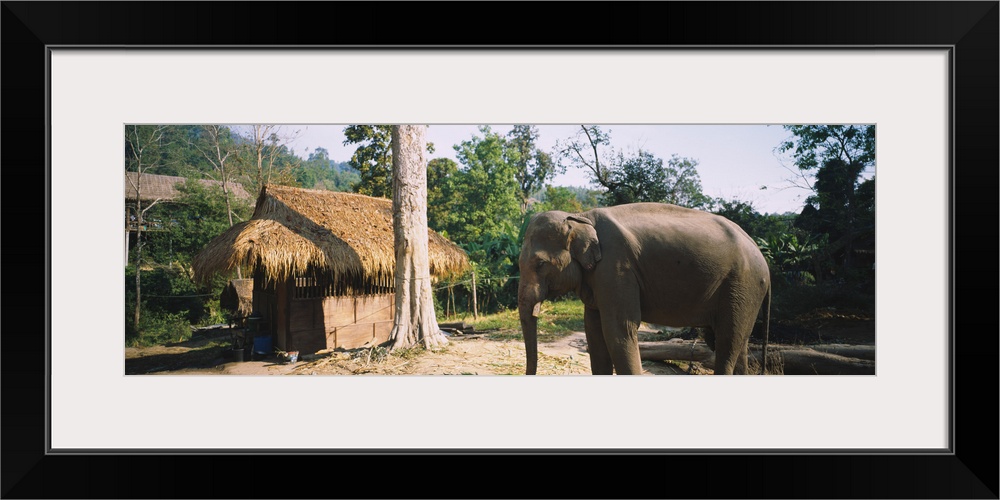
x=732, y=337
x=742, y=368
x=708, y=335
x=621, y=332
x=725, y=355
x=600, y=358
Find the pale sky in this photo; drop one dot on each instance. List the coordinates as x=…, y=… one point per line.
x=734, y=161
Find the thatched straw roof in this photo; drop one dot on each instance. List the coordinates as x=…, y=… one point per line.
x=163, y=187
x=237, y=296
x=296, y=232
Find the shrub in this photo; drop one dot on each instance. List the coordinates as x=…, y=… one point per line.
x=156, y=328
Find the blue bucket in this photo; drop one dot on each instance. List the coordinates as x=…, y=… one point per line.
x=262, y=345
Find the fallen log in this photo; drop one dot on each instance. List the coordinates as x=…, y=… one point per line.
x=846, y=350
x=794, y=360
x=811, y=362
x=680, y=350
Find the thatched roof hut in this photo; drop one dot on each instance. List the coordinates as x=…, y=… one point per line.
x=237, y=297
x=164, y=187
x=302, y=232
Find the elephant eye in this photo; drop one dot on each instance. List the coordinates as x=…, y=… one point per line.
x=541, y=263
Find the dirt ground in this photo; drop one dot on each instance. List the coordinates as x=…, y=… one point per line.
x=471, y=355
x=207, y=353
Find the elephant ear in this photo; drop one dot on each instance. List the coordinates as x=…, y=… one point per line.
x=583, y=243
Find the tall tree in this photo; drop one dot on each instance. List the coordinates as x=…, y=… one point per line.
x=142, y=154
x=491, y=205
x=843, y=204
x=532, y=166
x=442, y=193
x=590, y=149
x=177, y=157
x=268, y=160
x=811, y=145
x=415, y=322
x=218, y=146
x=633, y=177
x=559, y=198
x=373, y=158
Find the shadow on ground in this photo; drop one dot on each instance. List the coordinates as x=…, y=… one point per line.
x=205, y=349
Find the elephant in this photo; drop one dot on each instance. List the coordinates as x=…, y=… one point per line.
x=652, y=262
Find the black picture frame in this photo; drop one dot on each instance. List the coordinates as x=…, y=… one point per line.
x=970, y=29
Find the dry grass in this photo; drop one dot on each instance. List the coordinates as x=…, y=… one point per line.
x=237, y=296
x=294, y=232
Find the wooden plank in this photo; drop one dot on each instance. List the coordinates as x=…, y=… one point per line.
x=281, y=325
x=382, y=330
x=331, y=338
x=338, y=311
x=302, y=315
x=371, y=308
x=354, y=336
x=308, y=341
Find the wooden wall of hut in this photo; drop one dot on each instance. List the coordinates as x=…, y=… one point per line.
x=265, y=304
x=307, y=323
x=346, y=321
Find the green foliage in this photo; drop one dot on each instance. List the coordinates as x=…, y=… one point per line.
x=167, y=289
x=177, y=157
x=532, y=167
x=488, y=203
x=265, y=158
x=320, y=172
x=558, y=318
x=632, y=177
x=756, y=224
x=196, y=216
x=171, y=303
x=789, y=258
x=839, y=205
x=791, y=300
x=643, y=177
x=169, y=295
x=478, y=204
x=495, y=263
x=588, y=198
x=559, y=198
x=144, y=148
x=157, y=328
x=814, y=144
x=372, y=159
x=842, y=208
x=442, y=194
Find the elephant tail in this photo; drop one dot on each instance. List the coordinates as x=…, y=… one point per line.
x=767, y=328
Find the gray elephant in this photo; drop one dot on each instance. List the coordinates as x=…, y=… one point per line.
x=651, y=262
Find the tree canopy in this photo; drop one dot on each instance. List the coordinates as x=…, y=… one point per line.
x=631, y=177
x=373, y=158
x=841, y=209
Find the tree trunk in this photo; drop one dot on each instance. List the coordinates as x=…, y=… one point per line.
x=138, y=254
x=475, y=303
x=415, y=322
x=797, y=360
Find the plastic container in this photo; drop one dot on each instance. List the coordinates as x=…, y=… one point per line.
x=262, y=345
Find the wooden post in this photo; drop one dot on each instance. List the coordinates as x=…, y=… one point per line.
x=475, y=307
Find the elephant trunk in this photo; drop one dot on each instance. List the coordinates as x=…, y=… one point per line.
x=529, y=328
x=528, y=306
